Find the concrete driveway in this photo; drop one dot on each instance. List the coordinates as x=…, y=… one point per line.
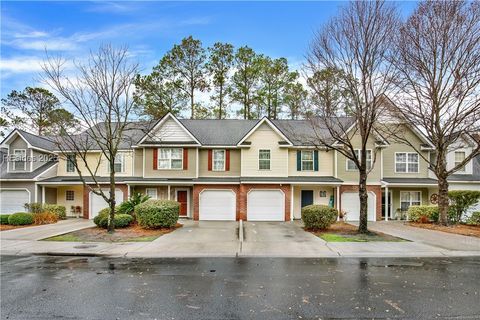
x=46, y=230
x=282, y=239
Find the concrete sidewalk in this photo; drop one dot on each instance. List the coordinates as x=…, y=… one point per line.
x=220, y=239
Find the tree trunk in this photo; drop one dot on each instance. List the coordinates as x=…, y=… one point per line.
x=362, y=193
x=443, y=202
x=220, y=104
x=192, y=105
x=112, y=203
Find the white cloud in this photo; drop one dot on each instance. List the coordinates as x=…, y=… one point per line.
x=21, y=64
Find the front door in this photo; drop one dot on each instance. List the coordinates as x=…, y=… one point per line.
x=307, y=197
x=182, y=199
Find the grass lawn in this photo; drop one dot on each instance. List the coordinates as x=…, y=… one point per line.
x=344, y=232
x=461, y=229
x=130, y=234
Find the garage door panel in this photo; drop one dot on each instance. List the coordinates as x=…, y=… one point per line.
x=97, y=202
x=266, y=205
x=12, y=201
x=351, y=205
x=217, y=205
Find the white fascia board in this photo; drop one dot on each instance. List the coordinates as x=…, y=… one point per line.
x=271, y=125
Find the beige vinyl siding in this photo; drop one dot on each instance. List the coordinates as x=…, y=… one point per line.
x=265, y=138
x=95, y=159
x=78, y=197
x=138, y=163
x=325, y=164
x=297, y=197
x=389, y=158
x=235, y=155
x=189, y=173
x=352, y=176
x=171, y=131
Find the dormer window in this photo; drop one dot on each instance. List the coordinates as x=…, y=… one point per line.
x=20, y=160
x=459, y=158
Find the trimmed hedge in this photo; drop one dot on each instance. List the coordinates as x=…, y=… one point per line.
x=20, y=219
x=423, y=213
x=318, y=216
x=59, y=210
x=119, y=220
x=157, y=213
x=4, y=218
x=461, y=200
x=474, y=219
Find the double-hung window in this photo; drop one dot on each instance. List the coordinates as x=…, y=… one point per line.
x=20, y=160
x=307, y=160
x=218, y=160
x=71, y=163
x=409, y=198
x=264, y=159
x=151, y=192
x=119, y=164
x=406, y=162
x=351, y=166
x=170, y=158
x=459, y=158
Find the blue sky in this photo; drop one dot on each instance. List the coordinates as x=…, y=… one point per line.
x=278, y=29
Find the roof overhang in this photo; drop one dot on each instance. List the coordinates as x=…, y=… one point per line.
x=271, y=125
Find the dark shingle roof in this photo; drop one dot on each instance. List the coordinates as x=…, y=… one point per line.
x=415, y=181
x=42, y=142
x=226, y=132
x=20, y=175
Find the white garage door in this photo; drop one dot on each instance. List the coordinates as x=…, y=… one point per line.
x=97, y=203
x=351, y=205
x=266, y=205
x=12, y=201
x=217, y=205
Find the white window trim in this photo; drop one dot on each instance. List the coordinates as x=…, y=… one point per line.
x=459, y=171
x=150, y=189
x=313, y=160
x=406, y=168
x=24, y=162
x=170, y=162
x=122, y=163
x=66, y=198
x=355, y=170
x=66, y=166
x=410, y=198
x=224, y=159
x=270, y=159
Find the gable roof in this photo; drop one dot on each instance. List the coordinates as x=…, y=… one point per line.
x=271, y=125
x=26, y=175
x=158, y=125
x=33, y=141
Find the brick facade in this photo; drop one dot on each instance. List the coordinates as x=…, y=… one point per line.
x=373, y=188
x=241, y=191
x=86, y=197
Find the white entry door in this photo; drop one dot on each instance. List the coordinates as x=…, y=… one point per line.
x=12, y=201
x=97, y=203
x=265, y=205
x=217, y=205
x=351, y=205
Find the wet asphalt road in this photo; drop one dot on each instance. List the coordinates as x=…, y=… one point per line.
x=225, y=288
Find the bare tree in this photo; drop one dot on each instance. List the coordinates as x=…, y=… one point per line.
x=100, y=94
x=357, y=44
x=438, y=84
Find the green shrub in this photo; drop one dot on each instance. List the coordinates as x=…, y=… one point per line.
x=20, y=219
x=119, y=220
x=157, y=213
x=474, y=219
x=318, y=216
x=4, y=218
x=128, y=207
x=461, y=200
x=59, y=210
x=34, y=207
x=423, y=213
x=45, y=217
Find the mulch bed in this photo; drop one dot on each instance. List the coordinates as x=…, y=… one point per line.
x=349, y=231
x=5, y=227
x=133, y=233
x=461, y=229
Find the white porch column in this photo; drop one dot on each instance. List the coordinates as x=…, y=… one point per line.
x=387, y=212
x=291, y=202
x=43, y=194
x=168, y=192
x=129, y=191
x=337, y=200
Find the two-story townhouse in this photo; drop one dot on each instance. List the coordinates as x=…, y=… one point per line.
x=25, y=160
x=263, y=170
